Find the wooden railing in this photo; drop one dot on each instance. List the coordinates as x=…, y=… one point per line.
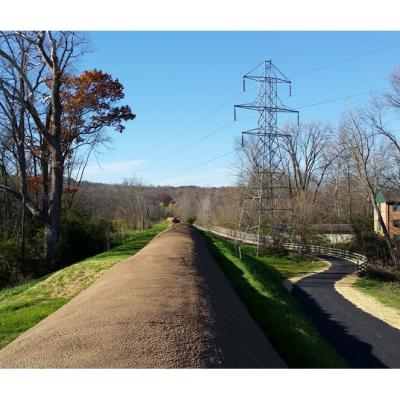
x=356, y=258
x=359, y=259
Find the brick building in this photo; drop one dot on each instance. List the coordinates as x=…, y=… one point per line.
x=389, y=203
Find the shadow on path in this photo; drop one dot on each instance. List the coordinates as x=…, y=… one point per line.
x=365, y=341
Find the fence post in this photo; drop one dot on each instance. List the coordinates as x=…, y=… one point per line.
x=360, y=259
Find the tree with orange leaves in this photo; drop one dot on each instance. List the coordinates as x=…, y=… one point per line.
x=89, y=105
x=61, y=113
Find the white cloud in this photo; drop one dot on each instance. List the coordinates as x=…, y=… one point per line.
x=113, y=172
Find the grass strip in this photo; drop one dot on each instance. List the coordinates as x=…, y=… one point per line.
x=388, y=293
x=291, y=266
x=258, y=283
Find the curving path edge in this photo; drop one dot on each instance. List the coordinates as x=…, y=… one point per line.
x=365, y=341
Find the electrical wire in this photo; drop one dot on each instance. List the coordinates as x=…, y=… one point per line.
x=342, y=98
x=222, y=105
x=240, y=94
x=225, y=154
x=212, y=112
x=230, y=123
x=345, y=60
x=186, y=147
x=198, y=165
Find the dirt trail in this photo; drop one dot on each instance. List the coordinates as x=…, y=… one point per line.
x=168, y=306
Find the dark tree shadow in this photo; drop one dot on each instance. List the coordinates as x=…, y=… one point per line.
x=356, y=352
x=314, y=293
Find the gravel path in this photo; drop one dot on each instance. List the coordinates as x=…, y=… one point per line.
x=168, y=306
x=365, y=341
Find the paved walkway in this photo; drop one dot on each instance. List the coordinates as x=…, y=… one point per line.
x=365, y=341
x=168, y=306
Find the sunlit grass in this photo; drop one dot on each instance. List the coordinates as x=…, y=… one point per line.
x=290, y=266
x=23, y=306
x=258, y=282
x=388, y=293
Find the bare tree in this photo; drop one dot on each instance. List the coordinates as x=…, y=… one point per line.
x=134, y=206
x=49, y=54
x=205, y=209
x=378, y=114
x=13, y=120
x=310, y=154
x=370, y=160
x=52, y=115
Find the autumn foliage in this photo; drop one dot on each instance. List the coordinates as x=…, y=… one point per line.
x=89, y=104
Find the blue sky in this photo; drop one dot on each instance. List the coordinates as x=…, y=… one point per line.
x=174, y=79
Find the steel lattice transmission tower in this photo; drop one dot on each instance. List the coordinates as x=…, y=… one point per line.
x=265, y=183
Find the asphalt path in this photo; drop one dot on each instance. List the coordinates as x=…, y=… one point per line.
x=168, y=306
x=363, y=340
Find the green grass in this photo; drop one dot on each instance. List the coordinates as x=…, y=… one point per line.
x=23, y=306
x=388, y=293
x=289, y=266
x=259, y=285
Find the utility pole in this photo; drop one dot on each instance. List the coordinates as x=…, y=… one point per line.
x=266, y=182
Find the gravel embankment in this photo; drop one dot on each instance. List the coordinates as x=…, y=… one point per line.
x=168, y=306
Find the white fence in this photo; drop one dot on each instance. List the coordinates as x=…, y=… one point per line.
x=251, y=238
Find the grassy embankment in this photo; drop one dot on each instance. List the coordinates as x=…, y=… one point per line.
x=25, y=305
x=259, y=283
x=388, y=293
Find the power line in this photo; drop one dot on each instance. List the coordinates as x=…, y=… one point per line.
x=225, y=154
x=342, y=98
x=198, y=165
x=222, y=105
x=262, y=195
x=187, y=146
x=345, y=60
x=192, y=125
x=230, y=123
x=241, y=93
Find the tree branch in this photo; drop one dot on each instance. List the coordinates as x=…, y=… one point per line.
x=29, y=205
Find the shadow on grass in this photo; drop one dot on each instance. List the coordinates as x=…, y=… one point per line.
x=334, y=316
x=15, y=321
x=260, y=287
x=357, y=353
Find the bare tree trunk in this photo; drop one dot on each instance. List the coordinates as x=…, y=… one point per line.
x=52, y=225
x=349, y=202
x=23, y=173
